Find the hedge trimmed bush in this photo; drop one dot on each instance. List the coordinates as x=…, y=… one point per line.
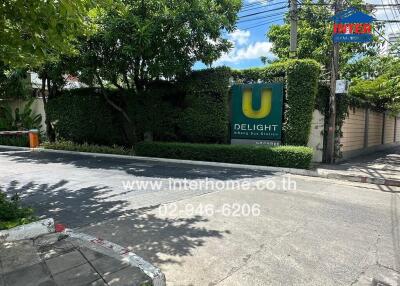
x=82, y=115
x=15, y=140
x=194, y=108
x=301, y=90
x=205, y=117
x=281, y=156
x=154, y=110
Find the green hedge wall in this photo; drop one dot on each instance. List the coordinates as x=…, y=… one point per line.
x=156, y=111
x=194, y=108
x=15, y=140
x=301, y=89
x=282, y=156
x=82, y=115
x=205, y=117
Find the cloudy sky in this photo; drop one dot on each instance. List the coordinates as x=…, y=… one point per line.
x=250, y=42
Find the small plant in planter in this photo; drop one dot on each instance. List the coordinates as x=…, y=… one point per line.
x=12, y=214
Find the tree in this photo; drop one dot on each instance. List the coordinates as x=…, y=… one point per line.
x=35, y=30
x=315, y=36
x=138, y=41
x=13, y=83
x=379, y=84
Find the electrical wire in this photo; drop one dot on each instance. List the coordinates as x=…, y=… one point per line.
x=262, y=12
x=258, y=18
x=384, y=8
x=267, y=4
x=263, y=23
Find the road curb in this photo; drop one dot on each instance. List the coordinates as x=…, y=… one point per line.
x=121, y=253
x=28, y=231
x=321, y=173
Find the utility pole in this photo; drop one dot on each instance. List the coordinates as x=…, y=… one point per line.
x=293, y=28
x=330, y=146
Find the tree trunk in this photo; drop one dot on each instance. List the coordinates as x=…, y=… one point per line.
x=51, y=136
x=129, y=125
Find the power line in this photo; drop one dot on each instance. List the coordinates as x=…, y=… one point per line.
x=394, y=14
x=384, y=5
x=262, y=12
x=258, y=3
x=384, y=8
x=261, y=6
x=366, y=4
x=258, y=18
x=388, y=21
x=262, y=23
x=383, y=37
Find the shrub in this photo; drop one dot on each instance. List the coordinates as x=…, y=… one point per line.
x=85, y=147
x=282, y=156
x=193, y=108
x=155, y=111
x=12, y=213
x=301, y=89
x=15, y=140
x=82, y=115
x=205, y=118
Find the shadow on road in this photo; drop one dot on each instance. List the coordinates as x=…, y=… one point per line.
x=149, y=235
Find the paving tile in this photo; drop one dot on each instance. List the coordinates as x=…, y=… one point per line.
x=49, y=282
x=99, y=282
x=56, y=249
x=107, y=265
x=33, y=275
x=90, y=254
x=8, y=249
x=18, y=255
x=130, y=276
x=46, y=239
x=65, y=261
x=80, y=275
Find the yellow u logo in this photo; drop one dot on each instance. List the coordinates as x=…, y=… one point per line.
x=247, y=104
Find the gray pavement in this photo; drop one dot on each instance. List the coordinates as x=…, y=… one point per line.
x=48, y=261
x=321, y=232
x=383, y=165
x=79, y=190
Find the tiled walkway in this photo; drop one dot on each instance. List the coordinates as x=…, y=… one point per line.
x=62, y=262
x=381, y=165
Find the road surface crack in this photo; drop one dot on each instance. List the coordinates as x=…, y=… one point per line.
x=248, y=257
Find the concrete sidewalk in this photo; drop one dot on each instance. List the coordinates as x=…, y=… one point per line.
x=380, y=168
x=49, y=261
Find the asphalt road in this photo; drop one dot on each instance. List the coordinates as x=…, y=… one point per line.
x=320, y=232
